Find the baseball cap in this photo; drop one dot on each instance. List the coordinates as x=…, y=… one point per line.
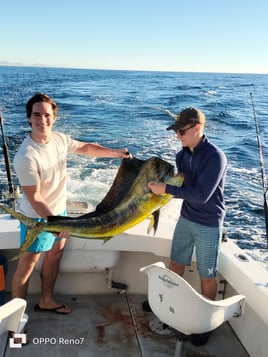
x=188, y=116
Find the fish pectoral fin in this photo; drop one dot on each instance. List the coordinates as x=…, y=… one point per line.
x=153, y=224
x=106, y=239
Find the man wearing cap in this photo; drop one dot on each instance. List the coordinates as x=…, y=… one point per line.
x=203, y=210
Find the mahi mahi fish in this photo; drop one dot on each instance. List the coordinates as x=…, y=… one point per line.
x=128, y=202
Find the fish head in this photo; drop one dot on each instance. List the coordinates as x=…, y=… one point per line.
x=159, y=170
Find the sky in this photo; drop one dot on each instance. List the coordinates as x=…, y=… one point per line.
x=159, y=35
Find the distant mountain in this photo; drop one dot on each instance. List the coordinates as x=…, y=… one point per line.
x=6, y=63
x=19, y=64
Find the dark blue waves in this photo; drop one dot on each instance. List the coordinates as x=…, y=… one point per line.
x=132, y=109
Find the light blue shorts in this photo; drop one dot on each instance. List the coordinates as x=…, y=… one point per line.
x=206, y=240
x=44, y=240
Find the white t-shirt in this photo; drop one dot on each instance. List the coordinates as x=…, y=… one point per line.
x=45, y=163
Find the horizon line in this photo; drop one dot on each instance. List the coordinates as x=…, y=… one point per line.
x=18, y=64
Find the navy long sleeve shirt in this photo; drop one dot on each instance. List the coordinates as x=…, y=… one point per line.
x=202, y=192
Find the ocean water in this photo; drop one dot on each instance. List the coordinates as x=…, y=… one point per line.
x=132, y=109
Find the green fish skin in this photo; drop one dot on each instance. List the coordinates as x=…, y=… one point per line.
x=128, y=202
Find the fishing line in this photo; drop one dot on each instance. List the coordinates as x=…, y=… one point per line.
x=264, y=180
x=7, y=163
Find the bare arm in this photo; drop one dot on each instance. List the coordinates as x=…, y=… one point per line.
x=40, y=206
x=34, y=197
x=96, y=150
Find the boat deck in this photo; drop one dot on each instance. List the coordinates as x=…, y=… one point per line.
x=109, y=325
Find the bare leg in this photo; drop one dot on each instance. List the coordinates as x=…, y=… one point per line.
x=22, y=274
x=208, y=285
x=209, y=288
x=177, y=267
x=49, y=275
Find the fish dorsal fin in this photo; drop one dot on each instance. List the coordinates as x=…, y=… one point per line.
x=126, y=175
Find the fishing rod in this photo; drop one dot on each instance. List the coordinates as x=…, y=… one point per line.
x=264, y=180
x=7, y=163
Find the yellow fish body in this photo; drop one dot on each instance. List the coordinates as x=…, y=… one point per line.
x=128, y=202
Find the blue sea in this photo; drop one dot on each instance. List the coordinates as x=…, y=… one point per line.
x=132, y=109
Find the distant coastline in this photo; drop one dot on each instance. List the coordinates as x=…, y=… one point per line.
x=19, y=64
x=39, y=65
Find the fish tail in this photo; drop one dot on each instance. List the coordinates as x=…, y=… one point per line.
x=13, y=259
x=28, y=222
x=33, y=227
x=31, y=235
x=30, y=238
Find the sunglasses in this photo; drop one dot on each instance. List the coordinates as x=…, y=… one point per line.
x=183, y=131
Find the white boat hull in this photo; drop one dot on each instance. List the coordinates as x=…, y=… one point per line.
x=121, y=258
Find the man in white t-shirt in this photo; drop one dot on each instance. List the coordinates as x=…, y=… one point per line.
x=40, y=165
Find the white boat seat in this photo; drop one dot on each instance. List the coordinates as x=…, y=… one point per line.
x=174, y=301
x=12, y=316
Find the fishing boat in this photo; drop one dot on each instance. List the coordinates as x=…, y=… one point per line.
x=103, y=285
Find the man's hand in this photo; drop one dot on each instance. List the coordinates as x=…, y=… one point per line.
x=158, y=188
x=64, y=234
